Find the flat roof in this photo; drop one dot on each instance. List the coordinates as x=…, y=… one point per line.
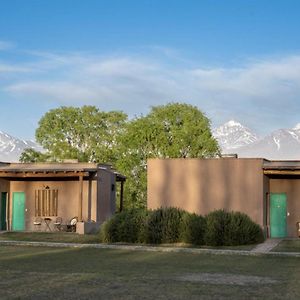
x=57, y=169
x=50, y=167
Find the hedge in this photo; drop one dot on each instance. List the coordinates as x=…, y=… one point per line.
x=230, y=229
x=173, y=225
x=126, y=226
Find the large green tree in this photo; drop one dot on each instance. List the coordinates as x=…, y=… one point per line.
x=83, y=133
x=174, y=130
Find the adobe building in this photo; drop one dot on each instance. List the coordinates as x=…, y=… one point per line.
x=34, y=196
x=267, y=191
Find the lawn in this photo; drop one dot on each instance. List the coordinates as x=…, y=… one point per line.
x=59, y=237
x=288, y=246
x=69, y=237
x=72, y=273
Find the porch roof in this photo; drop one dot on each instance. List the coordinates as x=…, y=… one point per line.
x=281, y=167
x=53, y=170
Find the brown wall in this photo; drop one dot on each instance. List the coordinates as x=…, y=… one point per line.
x=291, y=187
x=203, y=185
x=68, y=196
x=106, y=194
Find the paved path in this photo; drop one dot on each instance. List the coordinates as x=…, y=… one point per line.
x=266, y=246
x=150, y=248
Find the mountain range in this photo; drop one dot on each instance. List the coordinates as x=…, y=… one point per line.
x=233, y=138
x=12, y=147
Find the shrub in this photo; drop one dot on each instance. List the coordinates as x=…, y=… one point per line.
x=163, y=225
x=231, y=228
x=242, y=230
x=216, y=222
x=172, y=225
x=126, y=226
x=193, y=229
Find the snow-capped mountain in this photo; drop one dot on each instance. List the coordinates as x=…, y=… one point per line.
x=233, y=135
x=280, y=144
x=11, y=147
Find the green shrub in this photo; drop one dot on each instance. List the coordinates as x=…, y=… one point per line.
x=172, y=225
x=231, y=228
x=163, y=225
x=242, y=230
x=126, y=226
x=108, y=231
x=193, y=229
x=216, y=222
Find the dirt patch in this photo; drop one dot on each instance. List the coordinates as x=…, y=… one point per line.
x=227, y=279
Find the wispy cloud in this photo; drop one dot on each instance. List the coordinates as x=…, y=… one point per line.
x=13, y=68
x=253, y=92
x=4, y=45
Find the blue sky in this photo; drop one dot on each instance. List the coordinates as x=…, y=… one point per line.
x=233, y=59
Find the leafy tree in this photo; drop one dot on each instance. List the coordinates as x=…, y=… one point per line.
x=83, y=133
x=174, y=130
x=31, y=155
x=88, y=134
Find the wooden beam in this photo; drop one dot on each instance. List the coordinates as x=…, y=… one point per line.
x=42, y=175
x=282, y=172
x=80, y=198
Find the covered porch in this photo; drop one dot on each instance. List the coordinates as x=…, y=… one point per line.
x=36, y=197
x=282, y=207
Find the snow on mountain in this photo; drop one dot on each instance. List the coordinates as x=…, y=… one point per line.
x=11, y=147
x=233, y=135
x=280, y=144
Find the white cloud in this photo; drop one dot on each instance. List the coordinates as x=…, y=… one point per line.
x=254, y=92
x=4, y=45
x=11, y=68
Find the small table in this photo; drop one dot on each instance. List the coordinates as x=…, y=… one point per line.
x=47, y=222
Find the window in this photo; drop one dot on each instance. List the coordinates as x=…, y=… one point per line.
x=46, y=202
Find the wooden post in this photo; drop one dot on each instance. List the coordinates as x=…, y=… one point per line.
x=80, y=198
x=121, y=195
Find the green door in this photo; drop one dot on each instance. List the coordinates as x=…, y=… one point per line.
x=18, y=218
x=3, y=211
x=278, y=215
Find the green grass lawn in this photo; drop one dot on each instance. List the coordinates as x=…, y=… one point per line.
x=59, y=237
x=72, y=273
x=69, y=237
x=288, y=246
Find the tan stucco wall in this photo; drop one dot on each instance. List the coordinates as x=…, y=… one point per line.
x=203, y=185
x=106, y=194
x=68, y=195
x=291, y=187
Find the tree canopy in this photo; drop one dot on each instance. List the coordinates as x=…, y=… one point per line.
x=175, y=130
x=83, y=133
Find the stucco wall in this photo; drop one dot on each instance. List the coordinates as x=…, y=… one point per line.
x=68, y=195
x=106, y=194
x=203, y=185
x=290, y=186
